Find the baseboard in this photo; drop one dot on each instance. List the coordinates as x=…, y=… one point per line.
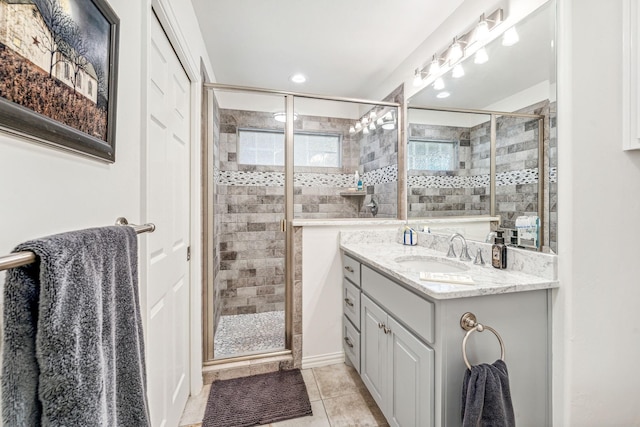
x=322, y=360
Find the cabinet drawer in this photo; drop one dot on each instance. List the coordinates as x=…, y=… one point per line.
x=351, y=343
x=351, y=302
x=351, y=269
x=414, y=311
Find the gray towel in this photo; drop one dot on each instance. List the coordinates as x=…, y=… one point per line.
x=486, y=398
x=73, y=351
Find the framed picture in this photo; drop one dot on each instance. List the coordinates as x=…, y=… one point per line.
x=58, y=73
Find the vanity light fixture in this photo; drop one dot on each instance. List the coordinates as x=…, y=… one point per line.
x=471, y=41
x=482, y=30
x=372, y=125
x=374, y=119
x=281, y=116
x=438, y=84
x=358, y=127
x=443, y=94
x=455, y=52
x=418, y=77
x=510, y=37
x=458, y=71
x=365, y=130
x=481, y=56
x=352, y=130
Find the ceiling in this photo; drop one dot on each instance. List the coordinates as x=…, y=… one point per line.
x=344, y=48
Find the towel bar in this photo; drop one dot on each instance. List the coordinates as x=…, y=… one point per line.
x=469, y=323
x=26, y=257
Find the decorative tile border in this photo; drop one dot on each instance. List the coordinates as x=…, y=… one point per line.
x=379, y=176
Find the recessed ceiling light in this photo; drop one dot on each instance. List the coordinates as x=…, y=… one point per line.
x=298, y=78
x=443, y=95
x=281, y=116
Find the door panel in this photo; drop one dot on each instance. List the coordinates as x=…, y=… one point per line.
x=412, y=379
x=167, y=198
x=373, y=351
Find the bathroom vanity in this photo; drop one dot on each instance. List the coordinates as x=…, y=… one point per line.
x=404, y=336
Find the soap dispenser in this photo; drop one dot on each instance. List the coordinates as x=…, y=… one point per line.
x=499, y=252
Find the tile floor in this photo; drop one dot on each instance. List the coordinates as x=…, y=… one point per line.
x=242, y=334
x=338, y=399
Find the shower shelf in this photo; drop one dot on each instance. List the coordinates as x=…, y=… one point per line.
x=353, y=193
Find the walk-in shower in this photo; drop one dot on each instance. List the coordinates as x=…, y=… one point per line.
x=275, y=157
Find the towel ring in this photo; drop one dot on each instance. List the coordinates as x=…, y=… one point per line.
x=469, y=323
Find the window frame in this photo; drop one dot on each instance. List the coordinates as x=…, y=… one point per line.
x=455, y=143
x=339, y=137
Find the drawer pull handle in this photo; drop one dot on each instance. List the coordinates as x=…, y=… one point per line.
x=387, y=330
x=381, y=325
x=348, y=301
x=348, y=341
x=349, y=268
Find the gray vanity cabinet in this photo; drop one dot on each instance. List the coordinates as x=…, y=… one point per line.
x=407, y=347
x=396, y=367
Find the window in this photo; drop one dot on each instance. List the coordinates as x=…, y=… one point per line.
x=66, y=71
x=428, y=155
x=90, y=90
x=260, y=147
x=79, y=80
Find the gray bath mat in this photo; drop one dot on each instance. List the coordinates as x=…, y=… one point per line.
x=257, y=400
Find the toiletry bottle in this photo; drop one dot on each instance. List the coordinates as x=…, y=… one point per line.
x=499, y=252
x=359, y=184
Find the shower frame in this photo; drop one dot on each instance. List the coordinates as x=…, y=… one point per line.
x=286, y=222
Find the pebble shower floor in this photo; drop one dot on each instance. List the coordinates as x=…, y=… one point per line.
x=242, y=334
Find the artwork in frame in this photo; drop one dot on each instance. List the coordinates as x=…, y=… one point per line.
x=58, y=73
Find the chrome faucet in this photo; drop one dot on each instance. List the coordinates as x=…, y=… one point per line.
x=490, y=236
x=464, y=254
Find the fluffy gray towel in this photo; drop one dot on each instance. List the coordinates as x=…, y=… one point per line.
x=73, y=351
x=486, y=398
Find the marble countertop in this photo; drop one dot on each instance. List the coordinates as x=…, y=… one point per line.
x=487, y=280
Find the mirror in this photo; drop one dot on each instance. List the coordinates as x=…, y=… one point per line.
x=453, y=145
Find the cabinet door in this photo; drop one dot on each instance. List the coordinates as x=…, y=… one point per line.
x=373, y=350
x=411, y=385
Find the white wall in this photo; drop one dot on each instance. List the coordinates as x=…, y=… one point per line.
x=46, y=191
x=597, y=344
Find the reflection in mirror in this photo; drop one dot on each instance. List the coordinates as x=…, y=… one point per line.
x=448, y=164
x=516, y=78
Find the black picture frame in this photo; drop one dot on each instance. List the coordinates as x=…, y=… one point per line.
x=75, y=111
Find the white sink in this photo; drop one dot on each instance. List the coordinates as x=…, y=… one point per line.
x=430, y=264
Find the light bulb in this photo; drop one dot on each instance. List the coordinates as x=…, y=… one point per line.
x=372, y=126
x=438, y=84
x=510, y=37
x=358, y=126
x=482, y=30
x=457, y=72
x=365, y=131
x=352, y=130
x=434, y=68
x=417, y=78
x=455, y=52
x=481, y=56
x=380, y=122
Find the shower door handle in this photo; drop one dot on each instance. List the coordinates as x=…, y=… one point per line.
x=283, y=225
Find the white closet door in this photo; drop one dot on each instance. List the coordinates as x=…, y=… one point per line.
x=167, y=161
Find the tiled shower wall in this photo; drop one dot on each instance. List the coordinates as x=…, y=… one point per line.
x=250, y=203
x=379, y=165
x=466, y=191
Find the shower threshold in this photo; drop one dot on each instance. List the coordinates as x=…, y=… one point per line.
x=248, y=334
